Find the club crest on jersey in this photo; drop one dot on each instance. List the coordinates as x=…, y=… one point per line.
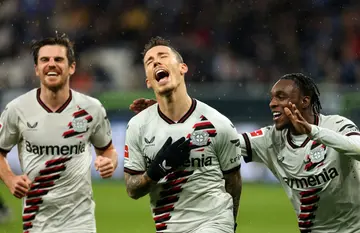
x=79, y=124
x=316, y=156
x=199, y=138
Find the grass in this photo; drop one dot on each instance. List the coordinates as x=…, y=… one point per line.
x=263, y=209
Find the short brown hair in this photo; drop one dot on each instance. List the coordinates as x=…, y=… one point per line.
x=62, y=40
x=159, y=41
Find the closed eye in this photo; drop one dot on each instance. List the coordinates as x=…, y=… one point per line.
x=59, y=59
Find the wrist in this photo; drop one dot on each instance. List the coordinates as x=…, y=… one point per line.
x=148, y=179
x=313, y=131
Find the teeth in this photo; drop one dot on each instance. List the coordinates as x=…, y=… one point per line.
x=51, y=73
x=276, y=114
x=159, y=71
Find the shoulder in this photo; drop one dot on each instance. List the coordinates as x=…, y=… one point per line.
x=23, y=101
x=85, y=101
x=268, y=131
x=214, y=116
x=221, y=123
x=337, y=122
x=144, y=117
x=330, y=119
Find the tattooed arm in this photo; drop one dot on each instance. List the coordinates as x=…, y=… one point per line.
x=138, y=185
x=233, y=186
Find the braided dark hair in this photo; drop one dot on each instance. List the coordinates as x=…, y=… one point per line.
x=308, y=87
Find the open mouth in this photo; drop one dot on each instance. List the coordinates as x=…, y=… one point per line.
x=161, y=74
x=276, y=115
x=52, y=74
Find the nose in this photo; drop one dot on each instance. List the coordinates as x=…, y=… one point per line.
x=51, y=62
x=273, y=103
x=156, y=63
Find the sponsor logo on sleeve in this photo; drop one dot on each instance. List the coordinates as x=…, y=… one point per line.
x=126, y=151
x=257, y=133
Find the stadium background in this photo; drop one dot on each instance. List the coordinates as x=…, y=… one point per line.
x=235, y=51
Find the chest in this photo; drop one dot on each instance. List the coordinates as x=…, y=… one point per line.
x=201, y=134
x=311, y=166
x=56, y=128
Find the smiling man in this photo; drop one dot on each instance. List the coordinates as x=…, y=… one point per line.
x=314, y=156
x=190, y=192
x=53, y=127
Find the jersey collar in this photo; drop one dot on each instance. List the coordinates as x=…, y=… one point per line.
x=46, y=108
x=288, y=136
x=183, y=118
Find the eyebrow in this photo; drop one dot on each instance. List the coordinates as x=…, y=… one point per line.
x=279, y=92
x=152, y=58
x=50, y=56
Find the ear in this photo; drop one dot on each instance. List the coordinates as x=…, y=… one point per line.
x=305, y=102
x=72, y=68
x=183, y=68
x=36, y=70
x=148, y=84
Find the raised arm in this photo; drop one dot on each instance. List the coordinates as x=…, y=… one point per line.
x=344, y=135
x=346, y=140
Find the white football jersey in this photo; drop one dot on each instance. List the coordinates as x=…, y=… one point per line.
x=321, y=176
x=54, y=151
x=194, y=195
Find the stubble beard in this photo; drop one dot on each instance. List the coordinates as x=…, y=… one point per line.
x=57, y=87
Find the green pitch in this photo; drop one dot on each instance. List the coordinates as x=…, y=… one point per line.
x=263, y=209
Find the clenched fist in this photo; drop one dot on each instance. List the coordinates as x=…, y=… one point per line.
x=19, y=185
x=105, y=166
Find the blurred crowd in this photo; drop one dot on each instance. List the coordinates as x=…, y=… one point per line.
x=245, y=41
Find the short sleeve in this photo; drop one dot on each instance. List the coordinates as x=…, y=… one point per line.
x=134, y=161
x=101, y=136
x=228, y=148
x=255, y=145
x=9, y=132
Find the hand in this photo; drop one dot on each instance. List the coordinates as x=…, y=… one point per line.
x=169, y=158
x=177, y=153
x=140, y=104
x=105, y=166
x=300, y=124
x=19, y=185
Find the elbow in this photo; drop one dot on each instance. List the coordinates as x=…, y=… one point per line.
x=132, y=194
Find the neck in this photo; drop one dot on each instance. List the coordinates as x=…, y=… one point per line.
x=54, y=99
x=175, y=105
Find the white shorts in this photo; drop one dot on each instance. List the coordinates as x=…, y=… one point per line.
x=214, y=229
